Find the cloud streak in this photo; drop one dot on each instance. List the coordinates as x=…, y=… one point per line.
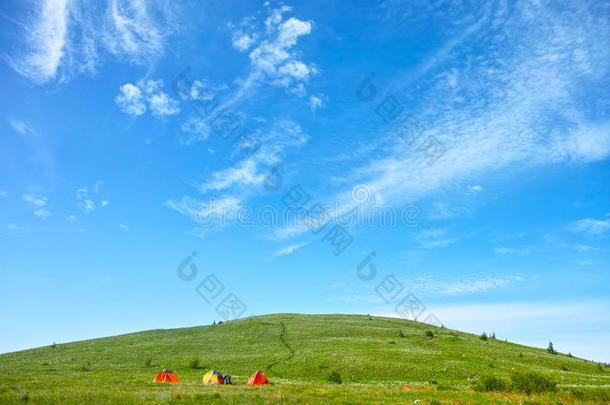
x=66, y=38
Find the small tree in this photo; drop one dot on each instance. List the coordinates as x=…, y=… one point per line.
x=483, y=336
x=194, y=363
x=493, y=335
x=334, y=377
x=551, y=349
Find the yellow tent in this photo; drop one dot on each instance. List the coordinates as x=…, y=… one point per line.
x=212, y=377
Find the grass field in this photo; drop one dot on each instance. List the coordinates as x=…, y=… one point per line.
x=372, y=356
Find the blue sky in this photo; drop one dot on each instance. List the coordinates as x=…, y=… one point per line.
x=439, y=160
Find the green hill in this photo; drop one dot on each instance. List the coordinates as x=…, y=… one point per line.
x=372, y=356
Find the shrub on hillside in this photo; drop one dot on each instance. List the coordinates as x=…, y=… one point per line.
x=195, y=363
x=483, y=336
x=551, y=349
x=532, y=382
x=334, y=377
x=491, y=383
x=429, y=334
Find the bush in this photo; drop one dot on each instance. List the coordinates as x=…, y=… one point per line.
x=401, y=334
x=532, y=383
x=491, y=383
x=54, y=345
x=334, y=377
x=483, y=336
x=195, y=363
x=429, y=334
x=551, y=349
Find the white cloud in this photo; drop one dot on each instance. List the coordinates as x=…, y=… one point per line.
x=85, y=199
x=35, y=200
x=210, y=214
x=132, y=31
x=511, y=110
x=475, y=188
x=242, y=42
x=64, y=38
x=443, y=210
x=288, y=250
x=197, y=129
x=511, y=251
x=20, y=126
x=42, y=213
x=130, y=100
x=252, y=171
x=39, y=203
x=45, y=41
x=274, y=56
x=2, y=194
x=123, y=227
x=161, y=104
x=588, y=249
x=83, y=202
x=464, y=287
x=316, y=102
x=590, y=226
x=433, y=238
x=244, y=174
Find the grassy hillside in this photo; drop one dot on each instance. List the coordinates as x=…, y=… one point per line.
x=372, y=356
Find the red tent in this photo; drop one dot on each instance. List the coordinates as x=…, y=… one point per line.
x=258, y=378
x=167, y=376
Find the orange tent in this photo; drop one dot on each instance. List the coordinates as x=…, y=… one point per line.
x=167, y=376
x=258, y=378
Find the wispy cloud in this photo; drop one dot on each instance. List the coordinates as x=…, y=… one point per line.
x=208, y=214
x=288, y=250
x=20, y=126
x=316, y=101
x=123, y=227
x=475, y=188
x=65, y=37
x=45, y=40
x=471, y=285
x=253, y=170
x=591, y=226
x=512, y=109
x=512, y=251
x=435, y=238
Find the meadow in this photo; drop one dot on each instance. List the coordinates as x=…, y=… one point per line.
x=308, y=359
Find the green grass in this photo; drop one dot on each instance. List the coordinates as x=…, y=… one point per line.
x=304, y=356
